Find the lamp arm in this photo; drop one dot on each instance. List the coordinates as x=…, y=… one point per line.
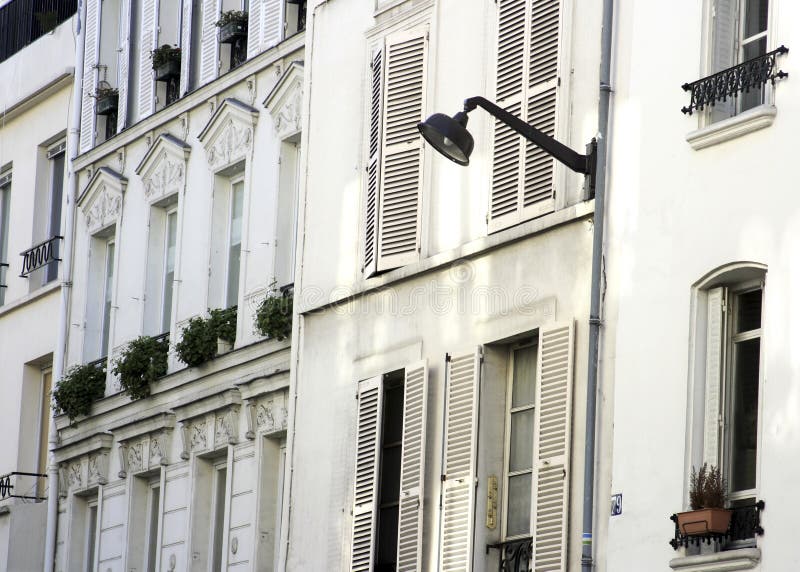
x=575, y=161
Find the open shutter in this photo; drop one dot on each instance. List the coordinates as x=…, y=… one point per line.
x=91, y=39
x=723, y=51
x=149, y=37
x=209, y=46
x=186, y=45
x=401, y=155
x=365, y=503
x=552, y=437
x=373, y=167
x=412, y=471
x=271, y=23
x=124, y=65
x=715, y=359
x=459, y=463
x=254, y=28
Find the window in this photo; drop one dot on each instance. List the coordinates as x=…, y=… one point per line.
x=168, y=33
x=56, y=158
x=43, y=429
x=107, y=296
x=109, y=68
x=392, y=206
x=5, y=205
x=234, y=244
x=273, y=462
x=287, y=209
x=389, y=482
x=169, y=269
x=218, y=517
x=153, y=514
x=295, y=17
x=90, y=535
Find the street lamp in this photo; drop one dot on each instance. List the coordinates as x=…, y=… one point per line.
x=449, y=136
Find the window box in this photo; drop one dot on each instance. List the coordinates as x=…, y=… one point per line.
x=232, y=31
x=171, y=69
x=107, y=104
x=714, y=520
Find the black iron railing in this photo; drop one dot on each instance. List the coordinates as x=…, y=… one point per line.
x=515, y=555
x=7, y=487
x=40, y=255
x=729, y=83
x=745, y=525
x=100, y=363
x=22, y=22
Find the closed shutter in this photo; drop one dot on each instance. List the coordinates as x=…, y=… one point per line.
x=254, y=28
x=91, y=39
x=459, y=462
x=186, y=45
x=527, y=83
x=723, y=52
x=149, y=37
x=365, y=502
x=373, y=167
x=715, y=359
x=401, y=154
x=209, y=46
x=552, y=437
x=412, y=471
x=271, y=23
x=124, y=66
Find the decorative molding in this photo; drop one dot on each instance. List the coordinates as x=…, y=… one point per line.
x=228, y=135
x=285, y=101
x=267, y=413
x=101, y=201
x=163, y=167
x=75, y=476
x=726, y=561
x=97, y=468
x=198, y=440
x=135, y=461
x=122, y=450
x=158, y=448
x=227, y=426
x=733, y=127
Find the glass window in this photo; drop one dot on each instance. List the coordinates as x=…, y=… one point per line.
x=44, y=427
x=107, y=295
x=153, y=511
x=5, y=203
x=391, y=452
x=218, y=521
x=91, y=533
x=169, y=269
x=57, y=165
x=234, y=244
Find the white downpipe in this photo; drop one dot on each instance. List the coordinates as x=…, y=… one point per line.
x=59, y=353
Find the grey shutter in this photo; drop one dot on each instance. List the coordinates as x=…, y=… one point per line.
x=715, y=360
x=401, y=160
x=209, y=46
x=723, y=51
x=412, y=470
x=365, y=501
x=186, y=45
x=373, y=167
x=91, y=39
x=459, y=462
x=149, y=37
x=553, y=438
x=124, y=65
x=271, y=23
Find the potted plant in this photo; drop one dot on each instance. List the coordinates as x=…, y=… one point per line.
x=232, y=26
x=707, y=500
x=81, y=386
x=166, y=62
x=107, y=98
x=141, y=363
x=223, y=322
x=273, y=318
x=203, y=338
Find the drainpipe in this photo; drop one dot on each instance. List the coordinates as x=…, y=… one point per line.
x=595, y=309
x=59, y=353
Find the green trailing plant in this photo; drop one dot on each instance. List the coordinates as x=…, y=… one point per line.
x=102, y=92
x=141, y=363
x=273, y=317
x=199, y=338
x=223, y=322
x=164, y=55
x=232, y=16
x=707, y=488
x=81, y=386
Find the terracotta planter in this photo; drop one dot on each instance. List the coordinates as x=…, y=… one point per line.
x=714, y=520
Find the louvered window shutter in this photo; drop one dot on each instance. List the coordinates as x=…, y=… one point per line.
x=401, y=155
x=271, y=23
x=124, y=66
x=186, y=45
x=365, y=503
x=91, y=38
x=254, y=28
x=715, y=359
x=723, y=50
x=149, y=37
x=552, y=439
x=373, y=167
x=412, y=471
x=527, y=83
x=459, y=462
x=209, y=46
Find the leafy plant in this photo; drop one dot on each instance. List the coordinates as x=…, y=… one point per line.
x=199, y=340
x=223, y=322
x=141, y=363
x=164, y=55
x=81, y=386
x=231, y=16
x=707, y=488
x=273, y=317
x=103, y=92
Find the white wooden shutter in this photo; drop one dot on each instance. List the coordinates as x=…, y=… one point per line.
x=272, y=20
x=412, y=470
x=92, y=40
x=149, y=38
x=527, y=83
x=365, y=503
x=254, y=28
x=186, y=45
x=715, y=359
x=401, y=159
x=373, y=167
x=723, y=51
x=209, y=44
x=552, y=437
x=459, y=462
x=124, y=65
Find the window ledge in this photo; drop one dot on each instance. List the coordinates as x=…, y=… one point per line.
x=727, y=561
x=727, y=129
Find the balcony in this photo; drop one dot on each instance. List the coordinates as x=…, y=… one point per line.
x=729, y=83
x=25, y=21
x=515, y=555
x=40, y=255
x=745, y=525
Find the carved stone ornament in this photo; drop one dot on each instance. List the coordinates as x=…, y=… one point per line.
x=285, y=101
x=75, y=476
x=157, y=446
x=265, y=418
x=163, y=168
x=197, y=436
x=135, y=463
x=98, y=469
x=231, y=147
x=228, y=135
x=101, y=202
x=226, y=425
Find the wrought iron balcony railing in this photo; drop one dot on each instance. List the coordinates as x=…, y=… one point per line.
x=40, y=255
x=7, y=487
x=25, y=21
x=745, y=525
x=515, y=555
x=728, y=83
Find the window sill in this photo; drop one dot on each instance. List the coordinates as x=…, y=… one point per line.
x=728, y=561
x=727, y=129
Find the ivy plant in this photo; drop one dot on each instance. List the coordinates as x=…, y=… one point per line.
x=231, y=16
x=164, y=55
x=199, y=339
x=223, y=322
x=273, y=317
x=81, y=386
x=141, y=363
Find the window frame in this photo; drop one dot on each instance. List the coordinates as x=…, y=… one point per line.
x=5, y=219
x=235, y=180
x=54, y=223
x=151, y=538
x=108, y=293
x=43, y=426
x=218, y=522
x=91, y=534
x=165, y=314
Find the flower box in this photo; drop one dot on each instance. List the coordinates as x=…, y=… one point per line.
x=107, y=104
x=232, y=31
x=704, y=521
x=169, y=70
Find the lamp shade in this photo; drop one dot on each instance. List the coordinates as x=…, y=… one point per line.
x=449, y=136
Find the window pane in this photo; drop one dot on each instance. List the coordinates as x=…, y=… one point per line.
x=169, y=270
x=744, y=422
x=5, y=195
x=235, y=248
x=519, y=505
x=91, y=530
x=390, y=475
x=155, y=497
x=524, y=383
x=107, y=297
x=219, y=516
x=387, y=539
x=521, y=447
x=755, y=18
x=749, y=315
x=393, y=415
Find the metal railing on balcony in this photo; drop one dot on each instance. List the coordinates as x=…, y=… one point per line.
x=745, y=525
x=729, y=83
x=40, y=255
x=22, y=22
x=515, y=555
x=9, y=484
